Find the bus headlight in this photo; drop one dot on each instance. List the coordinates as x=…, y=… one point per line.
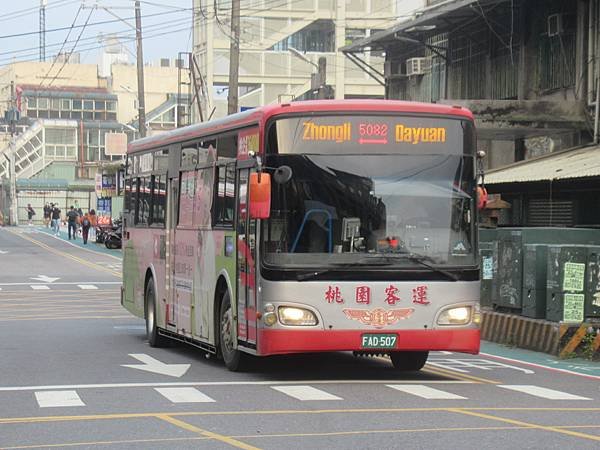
x=290, y=315
x=455, y=316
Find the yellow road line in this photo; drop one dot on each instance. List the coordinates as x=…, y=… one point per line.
x=205, y=433
x=526, y=424
x=123, y=441
x=261, y=436
x=42, y=419
x=67, y=255
x=462, y=376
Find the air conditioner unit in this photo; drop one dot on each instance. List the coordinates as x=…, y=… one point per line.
x=418, y=66
x=555, y=24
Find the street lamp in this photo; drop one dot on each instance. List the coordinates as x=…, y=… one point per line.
x=319, y=79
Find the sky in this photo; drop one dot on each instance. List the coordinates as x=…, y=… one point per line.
x=166, y=28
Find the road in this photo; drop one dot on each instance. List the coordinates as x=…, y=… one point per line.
x=77, y=372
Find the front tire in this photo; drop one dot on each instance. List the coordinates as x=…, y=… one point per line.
x=409, y=361
x=154, y=339
x=234, y=359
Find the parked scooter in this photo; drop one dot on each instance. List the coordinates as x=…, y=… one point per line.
x=112, y=239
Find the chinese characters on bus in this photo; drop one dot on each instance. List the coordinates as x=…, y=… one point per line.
x=390, y=295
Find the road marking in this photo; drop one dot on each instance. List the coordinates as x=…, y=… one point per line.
x=461, y=365
x=542, y=392
x=184, y=395
x=451, y=373
x=87, y=286
x=54, y=399
x=525, y=424
x=66, y=255
x=44, y=278
x=216, y=383
x=155, y=366
x=305, y=393
x=39, y=287
x=542, y=366
x=210, y=434
x=427, y=392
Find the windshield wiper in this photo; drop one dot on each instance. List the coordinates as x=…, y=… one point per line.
x=423, y=260
x=362, y=263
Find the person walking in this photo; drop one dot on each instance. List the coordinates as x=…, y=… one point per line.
x=30, y=214
x=72, y=217
x=55, y=219
x=47, y=214
x=86, y=223
x=93, y=224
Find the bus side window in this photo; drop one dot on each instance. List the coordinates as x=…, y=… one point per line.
x=223, y=211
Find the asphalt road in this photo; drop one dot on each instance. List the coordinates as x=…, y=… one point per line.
x=74, y=374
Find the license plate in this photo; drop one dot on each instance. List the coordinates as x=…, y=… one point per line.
x=378, y=341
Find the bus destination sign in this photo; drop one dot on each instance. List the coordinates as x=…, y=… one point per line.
x=373, y=133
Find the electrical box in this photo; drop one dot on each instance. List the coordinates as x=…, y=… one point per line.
x=592, y=283
x=535, y=257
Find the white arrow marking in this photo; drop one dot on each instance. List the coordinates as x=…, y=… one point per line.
x=3, y=252
x=44, y=278
x=155, y=366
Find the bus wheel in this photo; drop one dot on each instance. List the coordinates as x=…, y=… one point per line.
x=235, y=360
x=408, y=361
x=154, y=338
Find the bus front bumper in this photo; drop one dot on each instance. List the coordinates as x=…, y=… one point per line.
x=274, y=342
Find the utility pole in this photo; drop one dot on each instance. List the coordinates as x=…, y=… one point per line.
x=43, y=4
x=322, y=77
x=140, y=70
x=234, y=58
x=14, y=217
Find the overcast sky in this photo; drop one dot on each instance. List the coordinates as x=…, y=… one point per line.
x=166, y=27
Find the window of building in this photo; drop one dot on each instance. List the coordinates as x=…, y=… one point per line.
x=319, y=36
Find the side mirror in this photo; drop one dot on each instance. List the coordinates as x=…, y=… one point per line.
x=260, y=195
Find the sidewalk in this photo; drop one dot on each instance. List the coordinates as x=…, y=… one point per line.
x=91, y=245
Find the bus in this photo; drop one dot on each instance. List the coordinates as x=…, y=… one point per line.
x=316, y=226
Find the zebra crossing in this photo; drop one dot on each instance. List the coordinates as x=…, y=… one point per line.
x=303, y=393
x=76, y=286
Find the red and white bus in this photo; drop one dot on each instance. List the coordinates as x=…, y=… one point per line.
x=308, y=227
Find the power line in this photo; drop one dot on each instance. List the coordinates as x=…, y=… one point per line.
x=72, y=49
x=62, y=46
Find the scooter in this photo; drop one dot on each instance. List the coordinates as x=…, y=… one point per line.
x=112, y=239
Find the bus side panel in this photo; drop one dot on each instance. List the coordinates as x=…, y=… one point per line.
x=148, y=253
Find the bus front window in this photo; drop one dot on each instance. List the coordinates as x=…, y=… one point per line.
x=363, y=208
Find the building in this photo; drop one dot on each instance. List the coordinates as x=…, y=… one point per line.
x=529, y=71
x=65, y=112
x=271, y=72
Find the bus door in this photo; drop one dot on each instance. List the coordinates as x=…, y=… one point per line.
x=246, y=261
x=173, y=217
x=184, y=251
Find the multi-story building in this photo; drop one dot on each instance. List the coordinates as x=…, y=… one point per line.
x=271, y=72
x=65, y=112
x=528, y=69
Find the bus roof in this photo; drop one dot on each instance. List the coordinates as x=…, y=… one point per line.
x=263, y=113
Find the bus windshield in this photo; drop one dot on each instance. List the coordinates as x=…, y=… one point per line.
x=393, y=203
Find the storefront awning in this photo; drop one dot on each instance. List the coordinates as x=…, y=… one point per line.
x=581, y=162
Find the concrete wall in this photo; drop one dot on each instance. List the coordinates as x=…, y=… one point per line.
x=158, y=82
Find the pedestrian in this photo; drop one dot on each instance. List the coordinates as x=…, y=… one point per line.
x=72, y=217
x=55, y=219
x=86, y=223
x=30, y=214
x=93, y=224
x=47, y=214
